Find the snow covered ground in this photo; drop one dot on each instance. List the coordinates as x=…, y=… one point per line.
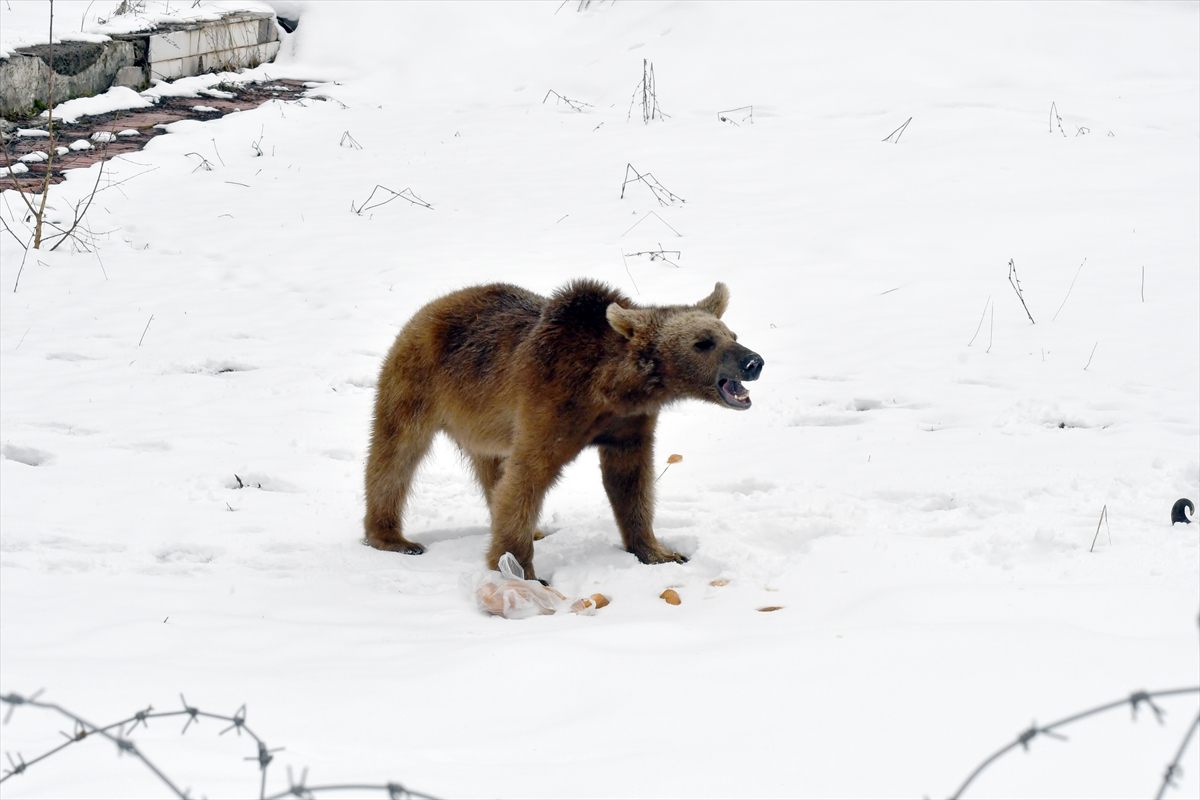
x=185, y=410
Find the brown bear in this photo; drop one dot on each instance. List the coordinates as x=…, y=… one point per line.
x=523, y=383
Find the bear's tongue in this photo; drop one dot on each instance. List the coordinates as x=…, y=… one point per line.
x=734, y=392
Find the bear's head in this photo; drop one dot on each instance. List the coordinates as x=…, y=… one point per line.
x=697, y=353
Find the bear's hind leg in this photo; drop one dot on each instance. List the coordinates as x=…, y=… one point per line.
x=396, y=450
x=517, y=503
x=488, y=471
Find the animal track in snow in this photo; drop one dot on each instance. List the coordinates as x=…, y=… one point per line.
x=824, y=420
x=361, y=382
x=65, y=428
x=255, y=480
x=745, y=486
x=221, y=367
x=30, y=456
x=68, y=356
x=147, y=446
x=185, y=555
x=212, y=367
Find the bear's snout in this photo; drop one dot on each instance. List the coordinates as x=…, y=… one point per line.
x=740, y=364
x=751, y=366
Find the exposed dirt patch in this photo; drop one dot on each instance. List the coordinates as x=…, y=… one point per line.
x=146, y=121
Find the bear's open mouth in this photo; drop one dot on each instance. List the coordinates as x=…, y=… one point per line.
x=733, y=393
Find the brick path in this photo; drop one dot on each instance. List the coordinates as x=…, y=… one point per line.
x=146, y=121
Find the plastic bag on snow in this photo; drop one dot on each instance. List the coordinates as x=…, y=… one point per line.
x=507, y=594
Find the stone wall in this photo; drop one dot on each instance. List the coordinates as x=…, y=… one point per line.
x=236, y=41
x=81, y=69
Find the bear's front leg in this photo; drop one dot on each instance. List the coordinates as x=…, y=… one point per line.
x=627, y=467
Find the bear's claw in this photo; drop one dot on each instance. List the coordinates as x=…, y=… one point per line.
x=659, y=556
x=404, y=546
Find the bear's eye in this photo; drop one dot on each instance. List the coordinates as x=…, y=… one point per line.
x=704, y=345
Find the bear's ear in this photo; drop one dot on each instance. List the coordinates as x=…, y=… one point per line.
x=625, y=321
x=717, y=302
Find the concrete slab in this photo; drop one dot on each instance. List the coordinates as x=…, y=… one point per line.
x=227, y=60
x=237, y=40
x=81, y=69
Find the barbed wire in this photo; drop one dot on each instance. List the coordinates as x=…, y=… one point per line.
x=119, y=733
x=1133, y=701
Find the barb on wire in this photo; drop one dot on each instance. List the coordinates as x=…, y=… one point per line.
x=1173, y=768
x=119, y=733
x=238, y=720
x=138, y=719
x=1133, y=700
x=191, y=712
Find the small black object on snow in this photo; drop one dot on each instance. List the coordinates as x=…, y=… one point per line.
x=1177, y=511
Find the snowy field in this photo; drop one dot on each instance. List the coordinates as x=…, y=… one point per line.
x=185, y=410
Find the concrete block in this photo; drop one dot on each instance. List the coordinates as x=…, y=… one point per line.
x=132, y=77
x=81, y=69
x=235, y=41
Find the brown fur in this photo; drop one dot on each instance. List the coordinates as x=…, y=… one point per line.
x=523, y=383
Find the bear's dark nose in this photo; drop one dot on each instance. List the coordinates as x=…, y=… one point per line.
x=751, y=366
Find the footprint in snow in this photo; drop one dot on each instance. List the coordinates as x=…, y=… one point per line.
x=223, y=367
x=212, y=367
x=68, y=356
x=30, y=456
x=255, y=480
x=361, y=382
